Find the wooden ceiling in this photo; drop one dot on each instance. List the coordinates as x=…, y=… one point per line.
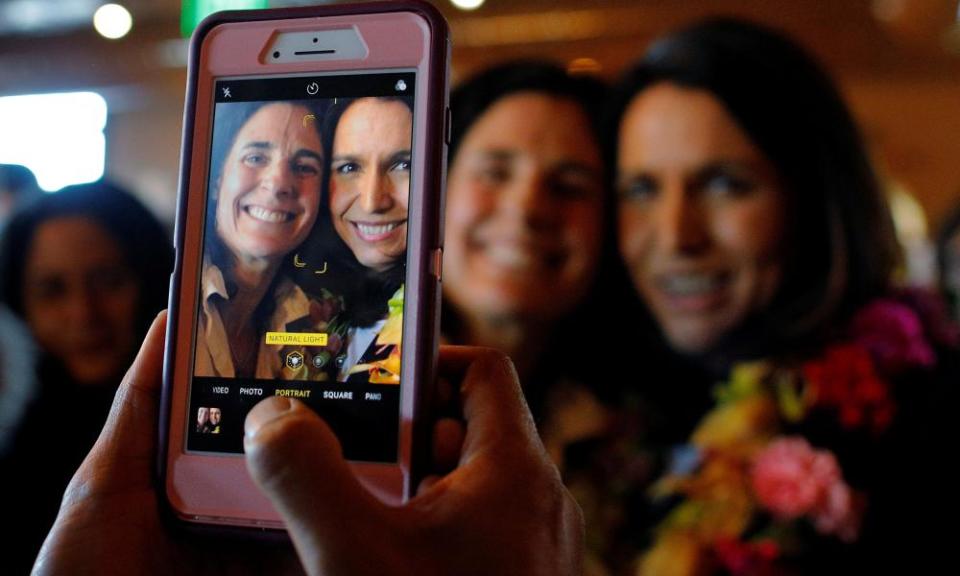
x=897, y=60
x=909, y=38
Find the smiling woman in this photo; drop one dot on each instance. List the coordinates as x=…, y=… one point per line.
x=266, y=179
x=367, y=197
x=792, y=404
x=701, y=229
x=528, y=222
x=370, y=180
x=269, y=189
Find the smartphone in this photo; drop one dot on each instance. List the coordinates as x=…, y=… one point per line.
x=308, y=245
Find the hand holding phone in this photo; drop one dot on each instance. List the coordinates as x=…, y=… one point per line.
x=503, y=510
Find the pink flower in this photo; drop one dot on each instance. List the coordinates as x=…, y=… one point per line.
x=837, y=513
x=894, y=335
x=790, y=478
x=793, y=480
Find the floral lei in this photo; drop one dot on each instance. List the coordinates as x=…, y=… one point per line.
x=750, y=481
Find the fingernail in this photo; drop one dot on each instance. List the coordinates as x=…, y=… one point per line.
x=265, y=412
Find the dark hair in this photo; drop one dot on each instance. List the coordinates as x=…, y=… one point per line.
x=840, y=247
x=142, y=239
x=471, y=99
x=366, y=291
x=340, y=105
x=18, y=181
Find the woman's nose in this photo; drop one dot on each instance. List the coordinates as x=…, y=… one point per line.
x=680, y=225
x=82, y=305
x=376, y=193
x=278, y=179
x=529, y=199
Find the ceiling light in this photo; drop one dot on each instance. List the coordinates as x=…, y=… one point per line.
x=112, y=21
x=467, y=4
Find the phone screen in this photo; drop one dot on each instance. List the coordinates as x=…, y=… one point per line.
x=301, y=288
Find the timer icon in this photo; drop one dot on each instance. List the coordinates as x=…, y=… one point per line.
x=313, y=88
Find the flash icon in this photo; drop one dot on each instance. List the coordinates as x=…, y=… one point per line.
x=401, y=86
x=226, y=92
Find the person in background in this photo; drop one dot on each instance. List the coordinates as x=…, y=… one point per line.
x=18, y=186
x=791, y=408
x=948, y=254
x=86, y=269
x=528, y=222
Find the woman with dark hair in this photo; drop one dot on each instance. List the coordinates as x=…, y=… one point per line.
x=361, y=244
x=45, y=272
x=265, y=185
x=87, y=270
x=527, y=223
x=788, y=422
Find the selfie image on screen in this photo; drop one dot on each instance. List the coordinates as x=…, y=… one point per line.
x=304, y=255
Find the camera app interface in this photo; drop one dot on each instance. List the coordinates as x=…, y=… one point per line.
x=304, y=257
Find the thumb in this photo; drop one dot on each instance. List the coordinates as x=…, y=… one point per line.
x=296, y=461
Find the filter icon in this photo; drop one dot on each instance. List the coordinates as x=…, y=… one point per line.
x=400, y=86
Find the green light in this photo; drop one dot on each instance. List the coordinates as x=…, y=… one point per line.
x=196, y=10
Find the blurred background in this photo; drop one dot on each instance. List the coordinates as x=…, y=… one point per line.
x=89, y=90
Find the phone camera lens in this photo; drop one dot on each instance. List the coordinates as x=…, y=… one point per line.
x=276, y=54
x=315, y=40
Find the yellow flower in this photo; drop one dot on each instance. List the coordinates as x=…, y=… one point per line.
x=393, y=329
x=742, y=426
x=718, y=500
x=746, y=379
x=386, y=371
x=673, y=554
x=793, y=397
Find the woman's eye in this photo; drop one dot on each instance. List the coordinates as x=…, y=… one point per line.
x=642, y=188
x=727, y=185
x=571, y=188
x=346, y=168
x=494, y=175
x=110, y=280
x=49, y=289
x=255, y=160
x=306, y=170
x=401, y=166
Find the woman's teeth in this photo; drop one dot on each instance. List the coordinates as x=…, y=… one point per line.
x=511, y=257
x=377, y=230
x=265, y=215
x=690, y=284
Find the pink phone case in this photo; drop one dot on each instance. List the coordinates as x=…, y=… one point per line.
x=206, y=489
